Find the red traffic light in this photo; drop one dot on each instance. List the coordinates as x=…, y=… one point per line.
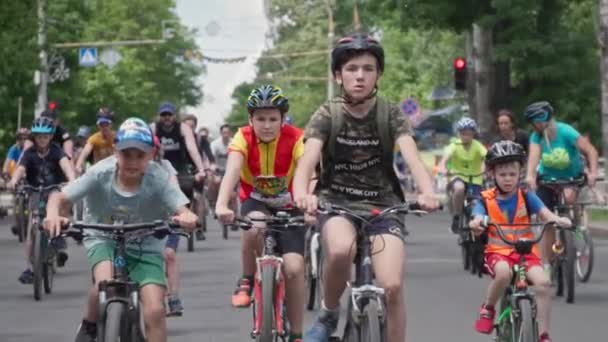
x=460, y=63
x=52, y=105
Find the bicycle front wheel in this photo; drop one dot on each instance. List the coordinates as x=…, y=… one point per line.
x=48, y=267
x=116, y=323
x=526, y=323
x=370, y=323
x=37, y=262
x=584, y=255
x=266, y=333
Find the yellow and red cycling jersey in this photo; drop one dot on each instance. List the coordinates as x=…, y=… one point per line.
x=267, y=173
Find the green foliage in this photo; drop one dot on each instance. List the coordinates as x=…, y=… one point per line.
x=417, y=60
x=146, y=75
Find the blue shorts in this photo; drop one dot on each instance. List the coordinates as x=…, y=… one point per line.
x=172, y=241
x=474, y=188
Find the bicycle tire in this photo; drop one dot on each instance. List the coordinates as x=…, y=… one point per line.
x=558, y=277
x=583, y=272
x=466, y=258
x=526, y=322
x=570, y=266
x=268, y=282
x=37, y=263
x=191, y=242
x=115, y=322
x=225, y=232
x=370, y=323
x=138, y=328
x=48, y=267
x=311, y=284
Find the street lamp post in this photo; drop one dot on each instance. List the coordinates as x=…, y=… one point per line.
x=43, y=72
x=330, y=45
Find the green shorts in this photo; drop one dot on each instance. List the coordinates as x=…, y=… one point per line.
x=144, y=268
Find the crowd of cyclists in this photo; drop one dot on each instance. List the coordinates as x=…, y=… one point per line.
x=143, y=172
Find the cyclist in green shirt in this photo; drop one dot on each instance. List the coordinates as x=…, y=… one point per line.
x=464, y=156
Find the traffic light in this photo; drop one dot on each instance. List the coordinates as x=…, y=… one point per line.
x=460, y=73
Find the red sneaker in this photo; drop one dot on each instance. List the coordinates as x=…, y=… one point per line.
x=544, y=337
x=485, y=322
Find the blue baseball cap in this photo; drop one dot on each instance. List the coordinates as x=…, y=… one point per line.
x=134, y=133
x=167, y=107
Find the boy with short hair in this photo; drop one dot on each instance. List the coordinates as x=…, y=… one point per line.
x=506, y=203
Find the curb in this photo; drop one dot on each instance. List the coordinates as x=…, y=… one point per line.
x=598, y=230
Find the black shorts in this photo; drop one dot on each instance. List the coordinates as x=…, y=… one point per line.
x=386, y=225
x=289, y=241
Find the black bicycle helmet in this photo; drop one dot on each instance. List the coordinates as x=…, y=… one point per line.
x=105, y=112
x=539, y=111
x=505, y=151
x=357, y=42
x=267, y=96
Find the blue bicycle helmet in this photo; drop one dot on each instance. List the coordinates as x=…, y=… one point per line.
x=466, y=123
x=134, y=133
x=539, y=112
x=43, y=125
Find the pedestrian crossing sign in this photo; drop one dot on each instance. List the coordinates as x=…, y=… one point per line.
x=87, y=57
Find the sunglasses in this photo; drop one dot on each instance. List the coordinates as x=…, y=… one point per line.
x=166, y=114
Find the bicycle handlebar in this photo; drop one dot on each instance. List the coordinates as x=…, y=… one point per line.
x=326, y=208
x=158, y=228
x=486, y=224
x=40, y=188
x=280, y=220
x=571, y=181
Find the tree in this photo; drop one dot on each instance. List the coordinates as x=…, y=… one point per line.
x=144, y=77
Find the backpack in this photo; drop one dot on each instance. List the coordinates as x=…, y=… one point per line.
x=386, y=140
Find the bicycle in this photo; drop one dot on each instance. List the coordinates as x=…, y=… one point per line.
x=366, y=313
x=43, y=252
x=517, y=319
x=565, y=247
x=313, y=259
x=119, y=307
x=269, y=316
x=471, y=247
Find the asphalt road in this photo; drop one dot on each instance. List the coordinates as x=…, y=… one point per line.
x=442, y=300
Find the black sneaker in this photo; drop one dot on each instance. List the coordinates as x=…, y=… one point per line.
x=62, y=258
x=15, y=230
x=26, y=277
x=87, y=332
x=200, y=236
x=175, y=307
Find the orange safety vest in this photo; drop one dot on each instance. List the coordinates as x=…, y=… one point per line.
x=513, y=233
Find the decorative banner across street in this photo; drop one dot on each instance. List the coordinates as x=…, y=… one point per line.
x=198, y=56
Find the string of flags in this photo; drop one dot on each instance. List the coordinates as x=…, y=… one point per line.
x=197, y=55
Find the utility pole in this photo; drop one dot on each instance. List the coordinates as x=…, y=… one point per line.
x=42, y=72
x=484, y=78
x=603, y=42
x=330, y=46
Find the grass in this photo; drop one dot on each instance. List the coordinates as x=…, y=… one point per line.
x=600, y=215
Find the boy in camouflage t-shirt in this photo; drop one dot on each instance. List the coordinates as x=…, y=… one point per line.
x=355, y=177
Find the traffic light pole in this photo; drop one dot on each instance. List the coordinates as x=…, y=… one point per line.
x=43, y=71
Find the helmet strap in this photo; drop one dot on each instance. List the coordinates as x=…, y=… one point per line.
x=352, y=102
